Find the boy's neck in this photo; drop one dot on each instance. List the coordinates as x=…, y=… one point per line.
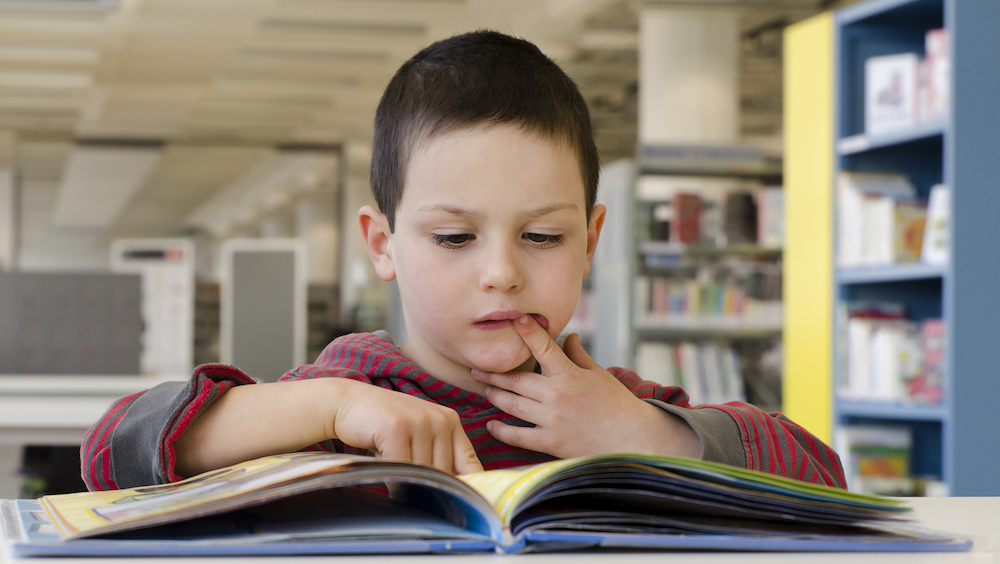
x=454, y=374
x=450, y=373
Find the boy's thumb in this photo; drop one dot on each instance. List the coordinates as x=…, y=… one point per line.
x=574, y=350
x=467, y=462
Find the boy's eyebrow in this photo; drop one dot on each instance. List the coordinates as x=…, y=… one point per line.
x=455, y=210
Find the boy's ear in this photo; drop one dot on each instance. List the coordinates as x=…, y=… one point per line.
x=375, y=230
x=597, y=216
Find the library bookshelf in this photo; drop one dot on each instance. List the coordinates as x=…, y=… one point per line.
x=740, y=338
x=953, y=440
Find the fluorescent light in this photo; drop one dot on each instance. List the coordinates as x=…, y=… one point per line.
x=48, y=54
x=58, y=6
x=99, y=182
x=46, y=79
x=352, y=28
x=312, y=55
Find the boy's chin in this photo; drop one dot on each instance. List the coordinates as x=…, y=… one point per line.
x=504, y=362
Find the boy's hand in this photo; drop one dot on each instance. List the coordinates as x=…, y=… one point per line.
x=398, y=426
x=579, y=408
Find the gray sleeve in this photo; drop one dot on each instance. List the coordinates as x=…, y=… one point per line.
x=717, y=430
x=136, y=443
x=141, y=451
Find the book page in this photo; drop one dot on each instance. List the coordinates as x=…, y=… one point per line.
x=81, y=513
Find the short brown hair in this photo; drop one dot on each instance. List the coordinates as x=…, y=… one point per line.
x=477, y=78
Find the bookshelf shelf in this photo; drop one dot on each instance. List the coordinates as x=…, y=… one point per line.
x=666, y=248
x=707, y=328
x=708, y=160
x=959, y=152
x=889, y=273
x=889, y=411
x=863, y=142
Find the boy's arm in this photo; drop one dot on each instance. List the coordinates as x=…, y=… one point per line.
x=180, y=429
x=288, y=416
x=579, y=408
x=132, y=444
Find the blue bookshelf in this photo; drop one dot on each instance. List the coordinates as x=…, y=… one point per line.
x=955, y=441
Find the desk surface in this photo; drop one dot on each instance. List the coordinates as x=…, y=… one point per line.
x=976, y=517
x=58, y=410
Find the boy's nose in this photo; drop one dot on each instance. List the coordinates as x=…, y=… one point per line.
x=501, y=270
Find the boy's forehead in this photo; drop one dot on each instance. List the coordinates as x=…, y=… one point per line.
x=443, y=153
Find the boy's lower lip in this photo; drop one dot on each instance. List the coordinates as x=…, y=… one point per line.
x=490, y=325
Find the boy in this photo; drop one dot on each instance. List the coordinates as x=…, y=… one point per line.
x=485, y=173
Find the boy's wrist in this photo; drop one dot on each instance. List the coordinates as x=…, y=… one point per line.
x=669, y=434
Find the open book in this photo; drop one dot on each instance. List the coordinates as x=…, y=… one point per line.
x=323, y=503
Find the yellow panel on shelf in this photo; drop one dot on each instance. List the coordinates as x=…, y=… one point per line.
x=808, y=259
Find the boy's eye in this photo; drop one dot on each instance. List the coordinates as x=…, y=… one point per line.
x=543, y=240
x=453, y=240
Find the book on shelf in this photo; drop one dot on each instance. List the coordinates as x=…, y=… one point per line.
x=741, y=294
x=928, y=386
x=324, y=503
x=876, y=460
x=935, y=249
x=879, y=219
x=936, y=97
x=709, y=372
x=739, y=221
x=771, y=217
x=685, y=227
x=891, y=97
x=903, y=90
x=888, y=358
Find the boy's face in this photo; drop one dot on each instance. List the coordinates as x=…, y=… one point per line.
x=492, y=224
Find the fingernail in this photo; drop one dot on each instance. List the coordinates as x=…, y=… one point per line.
x=478, y=375
x=523, y=320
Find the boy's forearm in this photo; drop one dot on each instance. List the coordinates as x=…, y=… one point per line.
x=252, y=421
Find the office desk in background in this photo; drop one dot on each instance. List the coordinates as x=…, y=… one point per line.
x=58, y=410
x=54, y=411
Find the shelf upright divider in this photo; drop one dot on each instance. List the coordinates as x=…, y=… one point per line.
x=808, y=261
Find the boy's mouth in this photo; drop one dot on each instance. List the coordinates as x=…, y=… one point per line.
x=502, y=319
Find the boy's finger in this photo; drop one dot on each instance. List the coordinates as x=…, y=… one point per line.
x=443, y=455
x=422, y=449
x=550, y=357
x=509, y=434
x=395, y=448
x=574, y=350
x=466, y=461
x=521, y=383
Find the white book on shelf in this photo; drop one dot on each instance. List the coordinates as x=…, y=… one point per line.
x=878, y=230
x=715, y=391
x=735, y=389
x=891, y=100
x=855, y=382
x=771, y=217
x=855, y=231
x=691, y=373
x=938, y=75
x=883, y=376
x=935, y=249
x=655, y=362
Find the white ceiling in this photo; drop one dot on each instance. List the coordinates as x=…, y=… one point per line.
x=203, y=99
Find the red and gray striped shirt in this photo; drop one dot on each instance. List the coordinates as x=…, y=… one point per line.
x=132, y=444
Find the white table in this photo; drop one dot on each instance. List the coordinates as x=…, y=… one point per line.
x=976, y=517
x=58, y=410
